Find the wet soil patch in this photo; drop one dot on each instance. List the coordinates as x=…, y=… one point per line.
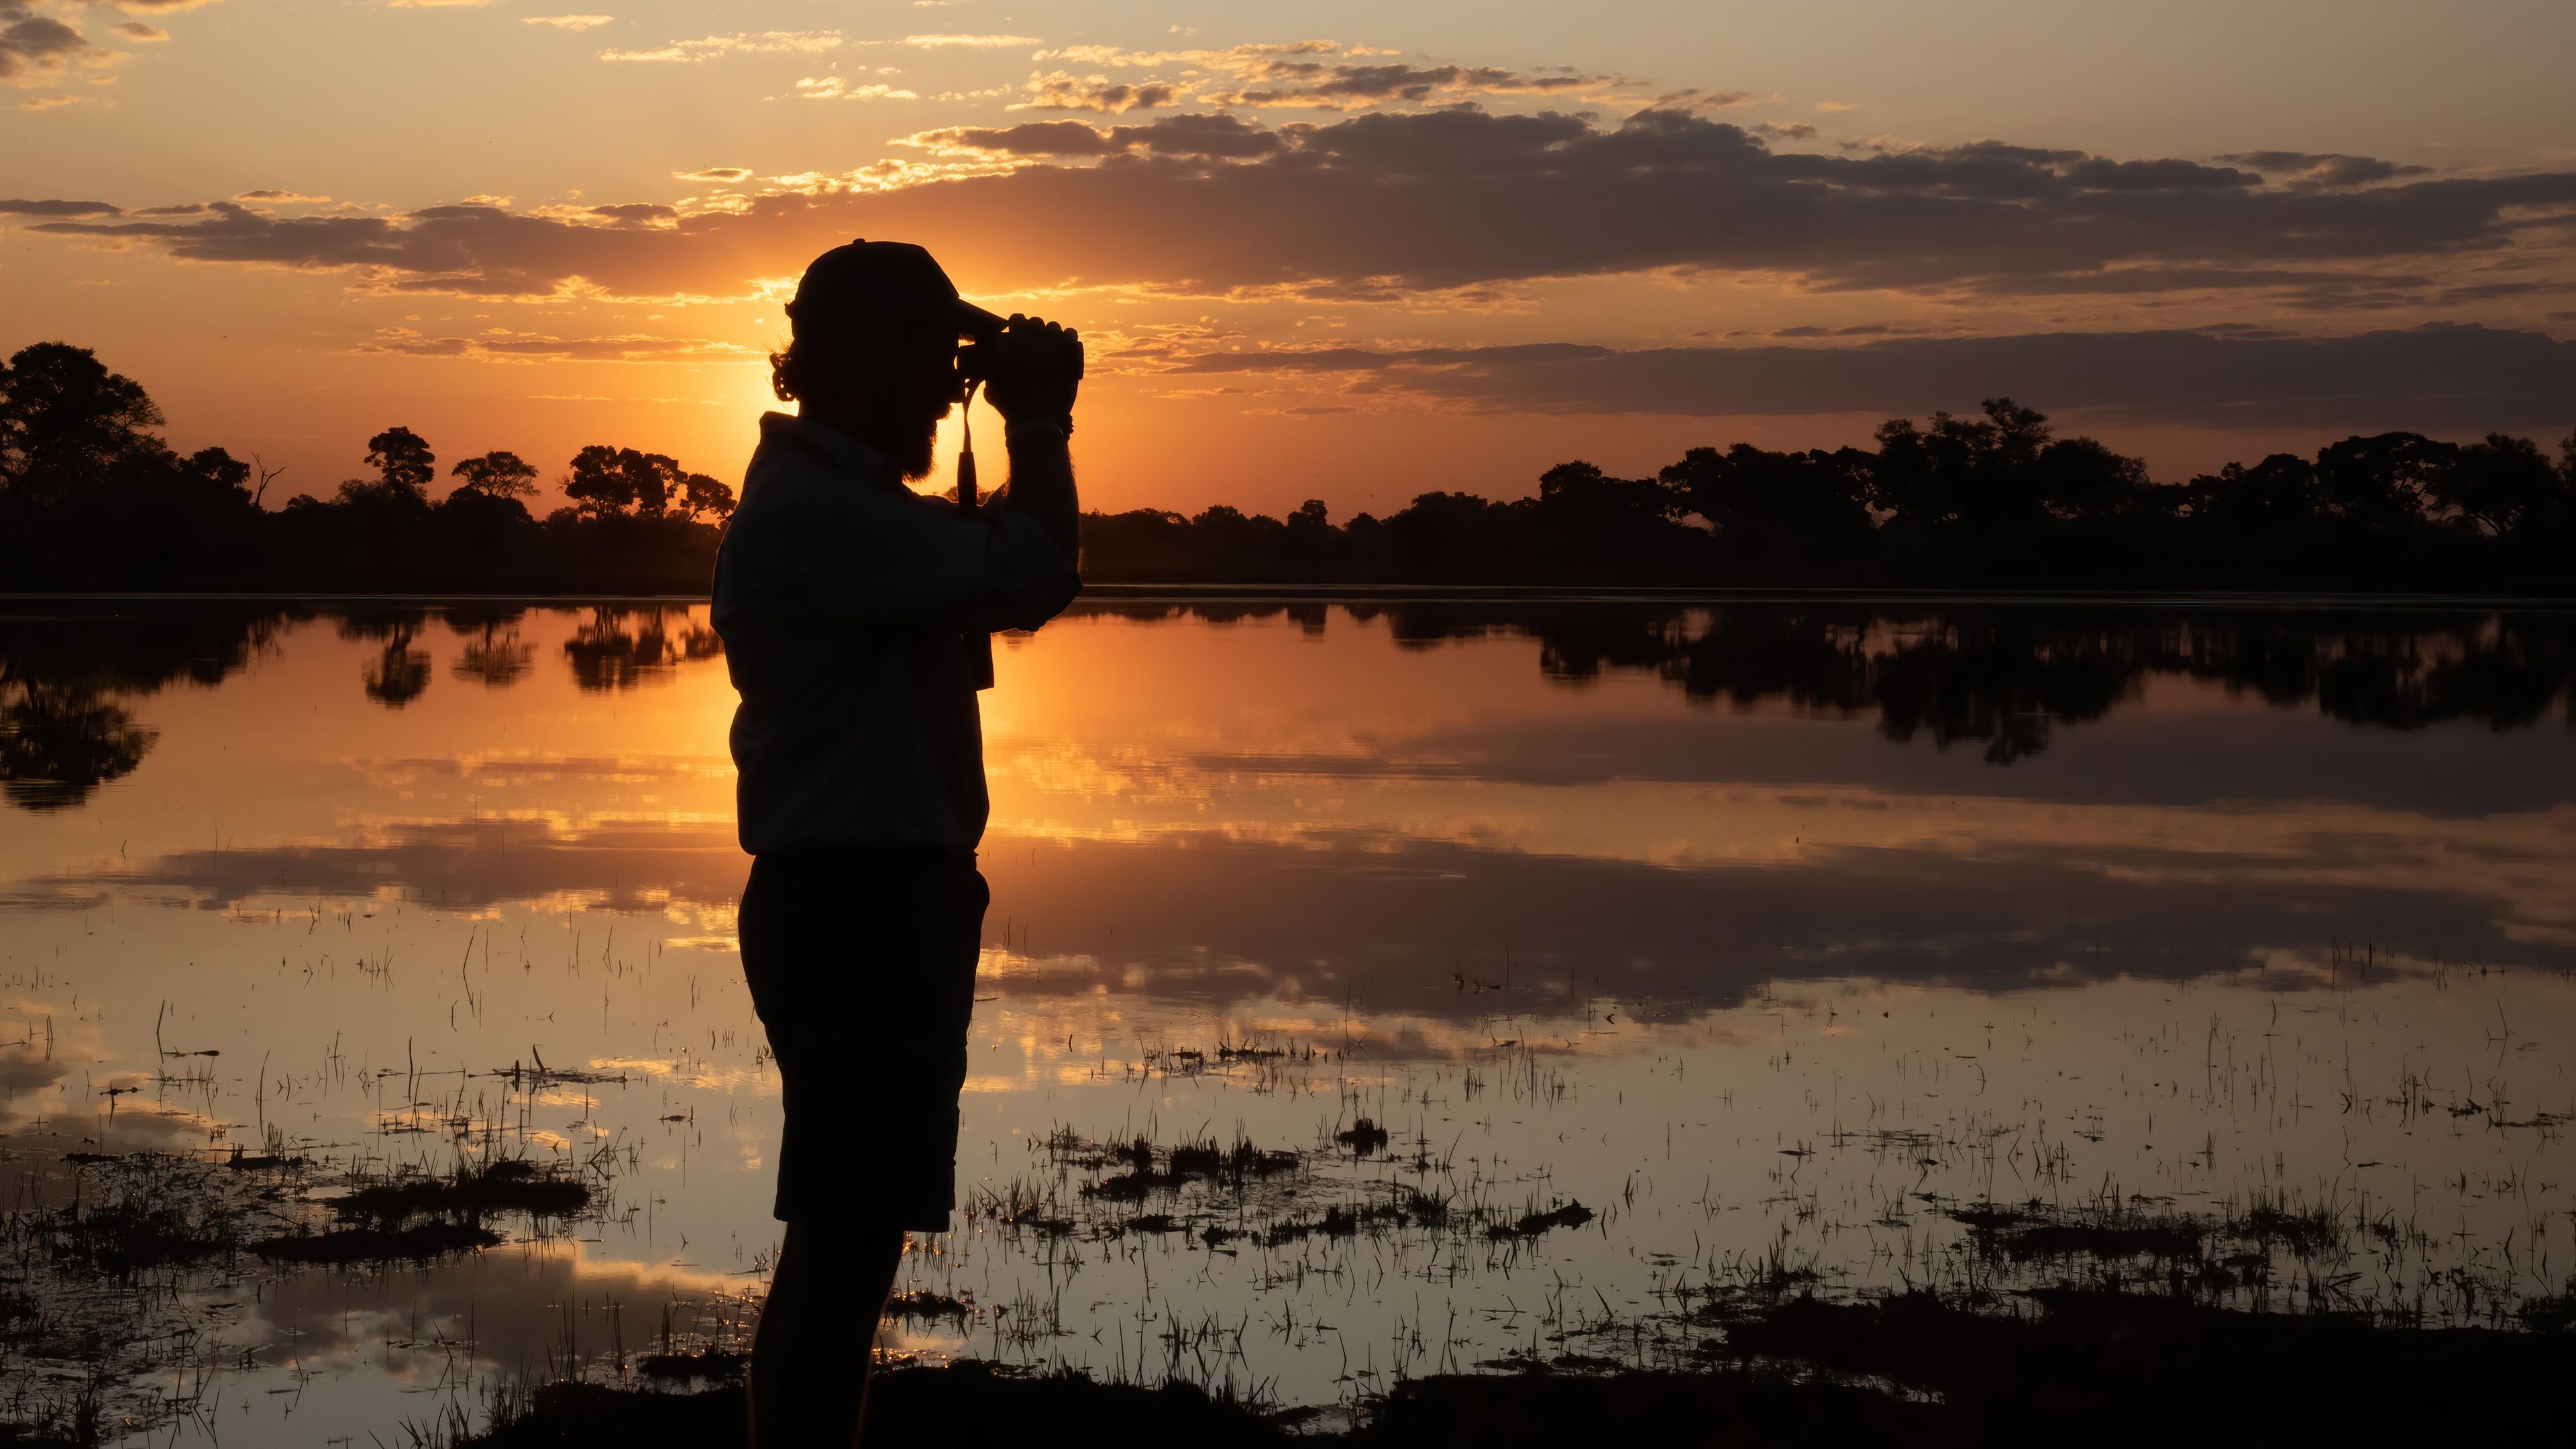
x=963, y=1404
x=2139, y=1368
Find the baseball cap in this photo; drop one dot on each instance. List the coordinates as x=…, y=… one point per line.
x=873, y=284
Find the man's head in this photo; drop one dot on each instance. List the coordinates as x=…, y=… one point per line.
x=874, y=348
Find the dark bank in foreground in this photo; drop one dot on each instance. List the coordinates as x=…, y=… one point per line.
x=92, y=499
x=2106, y=1367
x=2127, y=1320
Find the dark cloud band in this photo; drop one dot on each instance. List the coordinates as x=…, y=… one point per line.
x=2435, y=379
x=1456, y=198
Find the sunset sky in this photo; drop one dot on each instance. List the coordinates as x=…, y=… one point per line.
x=1320, y=250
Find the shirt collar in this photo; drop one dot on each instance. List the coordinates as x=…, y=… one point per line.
x=847, y=453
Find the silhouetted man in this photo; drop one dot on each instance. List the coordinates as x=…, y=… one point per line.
x=857, y=618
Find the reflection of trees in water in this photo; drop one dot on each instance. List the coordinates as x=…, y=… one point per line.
x=63, y=733
x=57, y=744
x=396, y=676
x=622, y=647
x=493, y=652
x=399, y=673
x=2005, y=675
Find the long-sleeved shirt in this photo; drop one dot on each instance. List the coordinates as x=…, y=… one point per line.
x=852, y=611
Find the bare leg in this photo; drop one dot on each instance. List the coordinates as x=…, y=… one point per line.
x=809, y=1379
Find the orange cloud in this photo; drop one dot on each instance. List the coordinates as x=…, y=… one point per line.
x=1058, y=91
x=711, y=47
x=969, y=42
x=1383, y=204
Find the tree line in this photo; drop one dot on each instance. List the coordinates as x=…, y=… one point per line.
x=1996, y=499
x=90, y=498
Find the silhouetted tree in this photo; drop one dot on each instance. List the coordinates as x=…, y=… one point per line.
x=497, y=474
x=700, y=494
x=219, y=473
x=2502, y=487
x=1789, y=506
x=2382, y=484
x=606, y=482
x=403, y=461
x=66, y=422
x=89, y=498
x=2277, y=496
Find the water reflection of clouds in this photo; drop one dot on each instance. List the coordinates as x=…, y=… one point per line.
x=630, y=866
x=2179, y=755
x=488, y=769
x=507, y=1308
x=1702, y=897
x=1195, y=919
x=1215, y=812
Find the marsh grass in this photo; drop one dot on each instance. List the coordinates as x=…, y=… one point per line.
x=111, y=1264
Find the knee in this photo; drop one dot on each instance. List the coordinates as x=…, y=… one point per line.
x=840, y=1250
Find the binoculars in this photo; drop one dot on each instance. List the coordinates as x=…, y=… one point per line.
x=979, y=333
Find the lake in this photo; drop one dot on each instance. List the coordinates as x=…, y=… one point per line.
x=1657, y=945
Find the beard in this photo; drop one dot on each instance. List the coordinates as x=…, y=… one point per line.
x=915, y=454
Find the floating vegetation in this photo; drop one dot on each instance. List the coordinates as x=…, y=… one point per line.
x=126, y=1214
x=470, y=1195
x=100, y=1254
x=417, y=1243
x=925, y=1306
x=1243, y=1192
x=111, y=1264
x=710, y=1364
x=1363, y=1137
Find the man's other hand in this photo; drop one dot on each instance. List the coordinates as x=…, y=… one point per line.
x=1033, y=369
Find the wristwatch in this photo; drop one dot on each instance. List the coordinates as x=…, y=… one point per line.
x=1060, y=429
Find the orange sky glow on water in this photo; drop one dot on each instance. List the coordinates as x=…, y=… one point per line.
x=1341, y=252
x=1747, y=928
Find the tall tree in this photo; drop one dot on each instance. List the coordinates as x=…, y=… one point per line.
x=1761, y=501
x=655, y=477
x=605, y=482
x=403, y=460
x=2383, y=483
x=66, y=421
x=498, y=474
x=596, y=485
x=702, y=494
x=2502, y=486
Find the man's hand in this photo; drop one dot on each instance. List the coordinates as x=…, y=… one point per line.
x=1032, y=370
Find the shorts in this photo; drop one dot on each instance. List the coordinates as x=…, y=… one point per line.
x=862, y=968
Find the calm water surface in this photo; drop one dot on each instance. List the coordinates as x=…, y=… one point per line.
x=1765, y=934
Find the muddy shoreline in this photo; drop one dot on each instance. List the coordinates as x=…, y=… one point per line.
x=2049, y=1366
